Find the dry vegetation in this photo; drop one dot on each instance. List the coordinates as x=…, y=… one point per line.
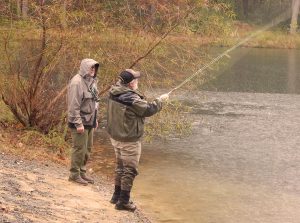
x=42, y=48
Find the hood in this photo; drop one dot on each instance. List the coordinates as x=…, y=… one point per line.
x=85, y=66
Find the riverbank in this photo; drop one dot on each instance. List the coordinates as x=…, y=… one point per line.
x=273, y=38
x=34, y=188
x=267, y=39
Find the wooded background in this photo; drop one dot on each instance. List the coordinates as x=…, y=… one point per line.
x=43, y=41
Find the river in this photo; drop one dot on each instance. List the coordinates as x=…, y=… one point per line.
x=242, y=161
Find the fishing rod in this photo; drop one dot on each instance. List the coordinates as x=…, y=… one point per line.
x=276, y=21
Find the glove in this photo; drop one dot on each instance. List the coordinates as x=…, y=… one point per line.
x=164, y=97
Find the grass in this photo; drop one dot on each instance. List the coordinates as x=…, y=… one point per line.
x=277, y=38
x=31, y=144
x=5, y=114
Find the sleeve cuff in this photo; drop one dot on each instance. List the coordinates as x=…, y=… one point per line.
x=78, y=125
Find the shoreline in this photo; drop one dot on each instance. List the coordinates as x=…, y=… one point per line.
x=34, y=190
x=275, y=39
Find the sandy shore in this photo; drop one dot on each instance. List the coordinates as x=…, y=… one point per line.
x=33, y=191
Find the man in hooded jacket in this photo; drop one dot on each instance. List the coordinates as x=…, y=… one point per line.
x=127, y=109
x=82, y=100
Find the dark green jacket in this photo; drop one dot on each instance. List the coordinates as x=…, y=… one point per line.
x=127, y=110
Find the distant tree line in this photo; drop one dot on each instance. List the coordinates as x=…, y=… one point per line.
x=263, y=11
x=152, y=14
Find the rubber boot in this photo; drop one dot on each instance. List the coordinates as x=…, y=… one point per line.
x=116, y=195
x=124, y=203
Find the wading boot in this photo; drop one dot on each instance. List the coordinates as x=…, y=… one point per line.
x=116, y=195
x=124, y=203
x=86, y=178
x=78, y=180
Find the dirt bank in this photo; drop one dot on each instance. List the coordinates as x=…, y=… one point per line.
x=33, y=191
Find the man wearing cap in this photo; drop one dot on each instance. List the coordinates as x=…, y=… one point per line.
x=127, y=109
x=82, y=99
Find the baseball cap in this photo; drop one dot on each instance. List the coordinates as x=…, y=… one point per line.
x=129, y=75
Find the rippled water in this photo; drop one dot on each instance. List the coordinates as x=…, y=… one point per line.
x=242, y=161
x=240, y=165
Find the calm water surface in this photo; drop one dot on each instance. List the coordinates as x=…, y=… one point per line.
x=242, y=161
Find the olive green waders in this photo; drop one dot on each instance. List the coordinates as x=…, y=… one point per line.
x=127, y=159
x=82, y=145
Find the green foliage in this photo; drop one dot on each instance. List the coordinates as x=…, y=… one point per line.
x=276, y=40
x=54, y=141
x=171, y=121
x=5, y=22
x=5, y=114
x=154, y=15
x=215, y=20
x=260, y=12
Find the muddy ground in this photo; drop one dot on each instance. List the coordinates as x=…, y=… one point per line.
x=32, y=191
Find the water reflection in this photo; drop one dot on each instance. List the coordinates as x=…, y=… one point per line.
x=292, y=71
x=258, y=70
x=236, y=168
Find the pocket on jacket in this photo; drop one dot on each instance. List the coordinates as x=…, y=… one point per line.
x=86, y=106
x=87, y=118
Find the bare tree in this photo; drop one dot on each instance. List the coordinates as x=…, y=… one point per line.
x=295, y=13
x=24, y=8
x=18, y=2
x=246, y=8
x=33, y=82
x=28, y=89
x=63, y=13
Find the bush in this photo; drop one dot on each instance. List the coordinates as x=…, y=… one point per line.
x=171, y=121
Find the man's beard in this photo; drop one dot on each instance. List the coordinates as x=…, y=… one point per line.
x=135, y=87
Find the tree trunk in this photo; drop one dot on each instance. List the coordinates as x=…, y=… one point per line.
x=24, y=8
x=18, y=8
x=246, y=8
x=63, y=14
x=294, y=20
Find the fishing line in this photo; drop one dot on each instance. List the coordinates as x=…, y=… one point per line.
x=275, y=22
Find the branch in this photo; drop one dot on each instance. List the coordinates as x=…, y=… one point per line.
x=6, y=41
x=161, y=39
x=14, y=109
x=40, y=79
x=135, y=62
x=52, y=102
x=41, y=56
x=154, y=46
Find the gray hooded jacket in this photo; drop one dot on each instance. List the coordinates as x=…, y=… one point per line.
x=82, y=106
